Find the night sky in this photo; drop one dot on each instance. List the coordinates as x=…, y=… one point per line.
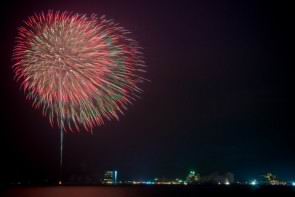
x=218, y=100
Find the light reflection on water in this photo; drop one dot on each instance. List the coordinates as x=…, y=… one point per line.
x=61, y=191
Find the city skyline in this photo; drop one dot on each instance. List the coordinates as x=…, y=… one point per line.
x=192, y=178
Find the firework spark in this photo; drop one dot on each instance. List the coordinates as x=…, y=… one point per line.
x=79, y=70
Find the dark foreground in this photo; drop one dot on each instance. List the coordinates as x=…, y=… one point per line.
x=144, y=191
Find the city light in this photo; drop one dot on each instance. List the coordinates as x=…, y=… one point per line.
x=149, y=183
x=110, y=178
x=254, y=182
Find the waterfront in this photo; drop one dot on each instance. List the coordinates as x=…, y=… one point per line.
x=144, y=191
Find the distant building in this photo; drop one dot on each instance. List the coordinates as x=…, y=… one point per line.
x=271, y=179
x=192, y=177
x=110, y=177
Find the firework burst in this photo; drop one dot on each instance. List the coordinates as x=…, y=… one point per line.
x=79, y=70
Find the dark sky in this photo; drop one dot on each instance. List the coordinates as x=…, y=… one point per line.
x=219, y=98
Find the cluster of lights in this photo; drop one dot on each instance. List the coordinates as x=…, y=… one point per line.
x=143, y=183
x=156, y=182
x=254, y=183
x=149, y=183
x=178, y=181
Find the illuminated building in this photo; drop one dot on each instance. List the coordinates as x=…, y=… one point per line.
x=110, y=177
x=192, y=177
x=273, y=180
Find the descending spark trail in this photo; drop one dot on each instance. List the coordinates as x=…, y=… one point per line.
x=79, y=70
x=61, y=154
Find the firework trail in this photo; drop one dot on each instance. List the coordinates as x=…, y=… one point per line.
x=79, y=70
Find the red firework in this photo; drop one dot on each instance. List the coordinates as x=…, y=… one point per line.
x=79, y=70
